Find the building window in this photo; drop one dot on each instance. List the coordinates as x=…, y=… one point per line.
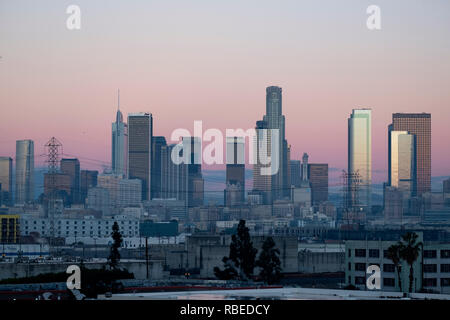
x=429, y=254
x=445, y=268
x=385, y=254
x=360, y=253
x=430, y=268
x=388, y=282
x=388, y=267
x=445, y=282
x=445, y=254
x=360, y=280
x=429, y=282
x=374, y=253
x=360, y=266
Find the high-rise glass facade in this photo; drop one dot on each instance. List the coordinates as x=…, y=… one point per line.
x=24, y=192
x=360, y=157
x=402, y=161
x=419, y=125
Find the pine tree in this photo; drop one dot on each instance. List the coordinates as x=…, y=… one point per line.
x=114, y=256
x=269, y=262
x=245, y=252
x=241, y=260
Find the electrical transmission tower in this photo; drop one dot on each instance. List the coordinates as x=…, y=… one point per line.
x=52, y=151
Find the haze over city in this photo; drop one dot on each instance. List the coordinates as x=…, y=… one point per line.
x=185, y=61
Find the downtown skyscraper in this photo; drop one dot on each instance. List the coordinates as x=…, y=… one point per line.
x=234, y=193
x=183, y=179
x=262, y=183
x=402, y=161
x=275, y=120
x=318, y=179
x=6, y=181
x=119, y=146
x=360, y=158
x=24, y=192
x=140, y=136
x=295, y=172
x=71, y=168
x=195, y=183
x=158, y=143
x=419, y=125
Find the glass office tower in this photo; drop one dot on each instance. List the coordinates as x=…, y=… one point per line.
x=140, y=134
x=418, y=124
x=24, y=171
x=275, y=119
x=402, y=161
x=360, y=157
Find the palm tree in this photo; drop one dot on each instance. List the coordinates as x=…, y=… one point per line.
x=393, y=253
x=409, y=252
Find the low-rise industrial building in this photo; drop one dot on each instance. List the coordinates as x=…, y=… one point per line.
x=431, y=270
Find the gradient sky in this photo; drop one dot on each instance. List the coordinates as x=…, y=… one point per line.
x=212, y=60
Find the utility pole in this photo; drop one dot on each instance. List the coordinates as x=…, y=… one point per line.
x=146, y=255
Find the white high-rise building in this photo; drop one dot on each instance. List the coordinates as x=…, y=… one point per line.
x=119, y=163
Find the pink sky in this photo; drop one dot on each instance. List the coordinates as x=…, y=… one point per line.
x=212, y=62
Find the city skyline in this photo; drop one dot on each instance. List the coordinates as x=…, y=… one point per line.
x=68, y=83
x=108, y=166
x=250, y=151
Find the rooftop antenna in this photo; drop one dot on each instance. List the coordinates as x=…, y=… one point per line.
x=118, y=99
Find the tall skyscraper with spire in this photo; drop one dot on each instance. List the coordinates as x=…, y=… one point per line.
x=119, y=154
x=360, y=157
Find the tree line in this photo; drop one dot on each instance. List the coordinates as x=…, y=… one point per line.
x=241, y=260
